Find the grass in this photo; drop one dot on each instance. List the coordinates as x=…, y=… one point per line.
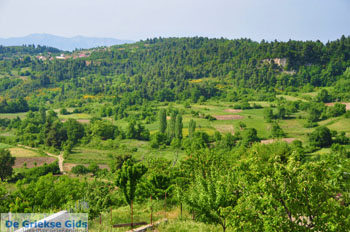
x=290, y=98
x=294, y=128
x=142, y=213
x=138, y=149
x=343, y=124
x=121, y=215
x=5, y=146
x=178, y=225
x=13, y=115
x=22, y=152
x=82, y=155
x=75, y=116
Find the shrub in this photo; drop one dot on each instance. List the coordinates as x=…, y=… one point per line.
x=80, y=169
x=321, y=137
x=64, y=111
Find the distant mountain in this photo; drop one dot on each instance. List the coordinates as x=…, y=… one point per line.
x=63, y=43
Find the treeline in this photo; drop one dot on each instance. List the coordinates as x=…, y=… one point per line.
x=14, y=106
x=190, y=68
x=25, y=50
x=45, y=128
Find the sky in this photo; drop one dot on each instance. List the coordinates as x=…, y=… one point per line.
x=141, y=19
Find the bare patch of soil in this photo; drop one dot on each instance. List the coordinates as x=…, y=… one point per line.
x=31, y=160
x=268, y=141
x=234, y=111
x=228, y=117
x=78, y=120
x=344, y=103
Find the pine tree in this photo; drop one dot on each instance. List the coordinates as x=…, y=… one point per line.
x=162, y=121
x=6, y=164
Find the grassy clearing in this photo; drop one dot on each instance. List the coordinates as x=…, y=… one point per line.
x=5, y=146
x=7, y=133
x=22, y=152
x=323, y=151
x=75, y=116
x=290, y=98
x=343, y=124
x=138, y=149
x=294, y=128
x=82, y=155
x=13, y=115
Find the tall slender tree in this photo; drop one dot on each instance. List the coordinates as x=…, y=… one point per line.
x=171, y=127
x=162, y=121
x=191, y=128
x=178, y=127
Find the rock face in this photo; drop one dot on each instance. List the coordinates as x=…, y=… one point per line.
x=279, y=61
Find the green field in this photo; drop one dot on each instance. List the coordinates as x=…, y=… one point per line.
x=13, y=115
x=138, y=149
x=4, y=146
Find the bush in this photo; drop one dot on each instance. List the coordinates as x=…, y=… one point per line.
x=34, y=173
x=347, y=114
x=321, y=137
x=277, y=131
x=64, y=111
x=93, y=168
x=337, y=110
x=209, y=117
x=80, y=169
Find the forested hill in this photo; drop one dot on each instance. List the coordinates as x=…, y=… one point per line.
x=25, y=50
x=176, y=68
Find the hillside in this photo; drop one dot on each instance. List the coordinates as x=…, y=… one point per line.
x=169, y=69
x=212, y=134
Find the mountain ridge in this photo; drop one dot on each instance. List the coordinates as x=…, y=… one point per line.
x=62, y=43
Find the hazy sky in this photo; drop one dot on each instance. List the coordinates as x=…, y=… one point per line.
x=141, y=19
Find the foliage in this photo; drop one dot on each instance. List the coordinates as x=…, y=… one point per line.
x=128, y=177
x=6, y=164
x=46, y=193
x=191, y=128
x=277, y=131
x=178, y=127
x=213, y=196
x=281, y=193
x=80, y=169
x=162, y=121
x=33, y=174
x=321, y=137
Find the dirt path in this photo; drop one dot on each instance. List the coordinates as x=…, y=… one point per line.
x=59, y=157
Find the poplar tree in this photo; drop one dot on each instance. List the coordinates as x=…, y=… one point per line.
x=178, y=127
x=171, y=127
x=162, y=121
x=191, y=128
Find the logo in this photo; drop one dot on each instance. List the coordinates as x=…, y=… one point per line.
x=38, y=222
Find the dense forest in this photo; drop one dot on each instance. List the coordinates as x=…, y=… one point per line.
x=179, y=68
